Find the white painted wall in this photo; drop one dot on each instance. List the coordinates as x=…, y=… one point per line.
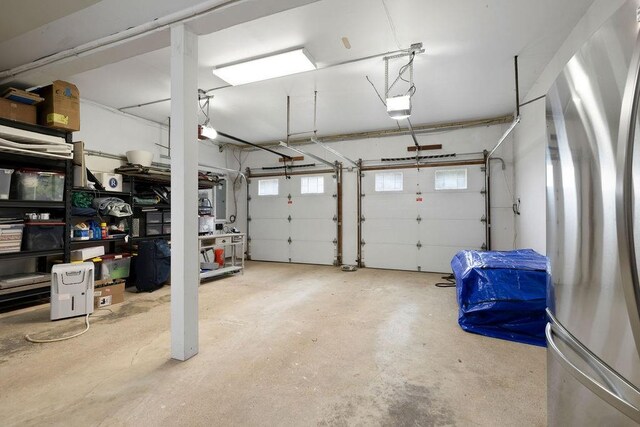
x=455, y=141
x=530, y=136
x=110, y=131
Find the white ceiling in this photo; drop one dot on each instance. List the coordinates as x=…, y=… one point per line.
x=21, y=16
x=466, y=72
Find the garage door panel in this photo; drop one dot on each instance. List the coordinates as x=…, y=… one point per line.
x=461, y=206
x=313, y=252
x=437, y=259
x=475, y=178
x=390, y=256
x=398, y=231
x=269, y=250
x=409, y=181
x=270, y=229
x=443, y=232
x=390, y=206
x=313, y=229
x=313, y=206
x=449, y=221
x=269, y=207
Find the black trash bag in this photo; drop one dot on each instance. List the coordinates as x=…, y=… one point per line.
x=152, y=265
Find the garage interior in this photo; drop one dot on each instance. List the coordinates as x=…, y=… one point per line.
x=311, y=221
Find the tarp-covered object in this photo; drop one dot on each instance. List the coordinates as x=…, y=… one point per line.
x=502, y=294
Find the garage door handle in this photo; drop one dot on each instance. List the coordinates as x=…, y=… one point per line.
x=289, y=240
x=289, y=218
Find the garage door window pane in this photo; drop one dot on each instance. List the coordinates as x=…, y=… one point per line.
x=389, y=181
x=268, y=187
x=453, y=179
x=312, y=185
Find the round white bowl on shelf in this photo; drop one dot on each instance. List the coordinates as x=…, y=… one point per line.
x=140, y=157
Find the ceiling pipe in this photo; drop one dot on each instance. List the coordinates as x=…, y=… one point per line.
x=487, y=160
x=337, y=64
x=382, y=133
x=121, y=37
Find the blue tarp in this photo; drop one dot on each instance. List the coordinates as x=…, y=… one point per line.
x=502, y=294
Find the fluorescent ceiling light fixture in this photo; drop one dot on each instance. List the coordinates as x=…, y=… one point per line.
x=399, y=107
x=208, y=132
x=267, y=67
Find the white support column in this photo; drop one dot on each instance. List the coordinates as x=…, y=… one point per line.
x=185, y=274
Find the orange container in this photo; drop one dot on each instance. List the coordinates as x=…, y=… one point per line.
x=219, y=256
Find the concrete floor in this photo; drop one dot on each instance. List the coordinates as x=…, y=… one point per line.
x=281, y=345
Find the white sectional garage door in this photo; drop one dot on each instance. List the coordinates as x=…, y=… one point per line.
x=410, y=225
x=292, y=226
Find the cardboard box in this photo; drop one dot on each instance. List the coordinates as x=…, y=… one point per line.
x=107, y=295
x=61, y=106
x=17, y=111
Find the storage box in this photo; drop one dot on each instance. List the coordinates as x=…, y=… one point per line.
x=5, y=183
x=43, y=235
x=154, y=229
x=110, y=181
x=115, y=266
x=154, y=217
x=166, y=228
x=104, y=296
x=166, y=217
x=10, y=237
x=17, y=111
x=61, y=106
x=38, y=185
x=89, y=252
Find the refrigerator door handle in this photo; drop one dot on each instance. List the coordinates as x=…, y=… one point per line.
x=614, y=390
x=625, y=195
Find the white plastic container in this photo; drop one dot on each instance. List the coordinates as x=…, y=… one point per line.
x=5, y=183
x=140, y=157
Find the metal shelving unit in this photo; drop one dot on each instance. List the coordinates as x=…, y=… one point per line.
x=17, y=208
x=234, y=242
x=31, y=254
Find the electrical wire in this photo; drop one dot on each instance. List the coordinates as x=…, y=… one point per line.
x=376, y=89
x=43, y=341
x=450, y=282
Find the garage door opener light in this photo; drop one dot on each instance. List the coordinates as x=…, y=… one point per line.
x=208, y=132
x=266, y=67
x=399, y=107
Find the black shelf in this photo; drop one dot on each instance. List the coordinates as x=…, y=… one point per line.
x=101, y=192
x=98, y=241
x=31, y=254
x=157, y=236
x=158, y=206
x=31, y=204
x=33, y=128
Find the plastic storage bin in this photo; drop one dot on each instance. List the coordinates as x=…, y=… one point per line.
x=43, y=235
x=5, y=183
x=166, y=217
x=38, y=185
x=154, y=217
x=154, y=229
x=10, y=238
x=166, y=228
x=115, y=266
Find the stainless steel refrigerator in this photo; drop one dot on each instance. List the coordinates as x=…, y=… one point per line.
x=593, y=230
